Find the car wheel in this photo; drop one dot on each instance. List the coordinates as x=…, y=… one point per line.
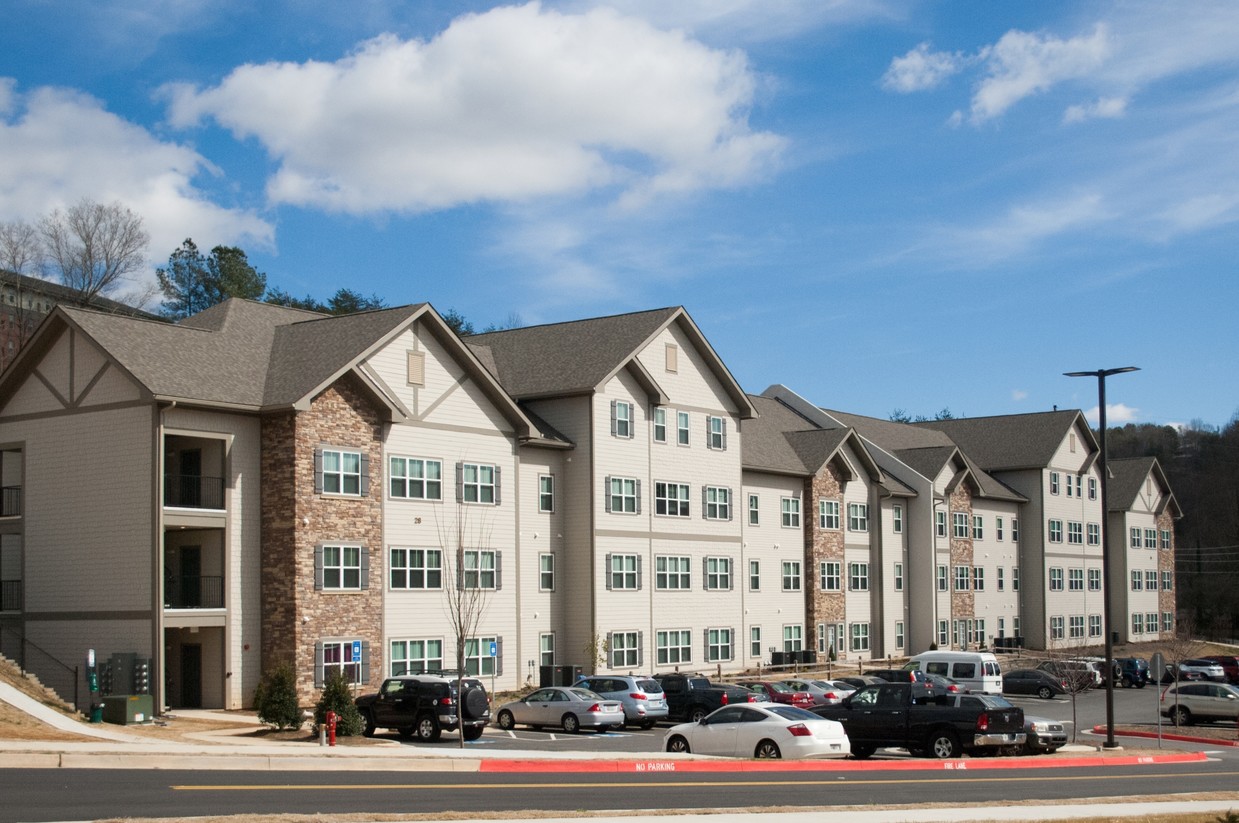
x=767, y=750
x=1181, y=716
x=1126, y=682
x=1045, y=693
x=370, y=728
x=428, y=730
x=678, y=744
x=506, y=721
x=697, y=714
x=649, y=724
x=471, y=732
x=570, y=724
x=942, y=744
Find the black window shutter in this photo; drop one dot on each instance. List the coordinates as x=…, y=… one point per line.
x=365, y=568
x=365, y=474
x=705, y=573
x=318, y=664
x=706, y=644
x=318, y=471
x=606, y=491
x=640, y=650
x=731, y=502
x=608, y=569
x=638, y=571
x=724, y=434
x=318, y=568
x=732, y=644
x=498, y=656
x=498, y=570
x=365, y=661
x=460, y=482
x=637, y=492
x=613, y=426
x=498, y=485
x=705, y=501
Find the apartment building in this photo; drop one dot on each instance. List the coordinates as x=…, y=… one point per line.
x=258, y=485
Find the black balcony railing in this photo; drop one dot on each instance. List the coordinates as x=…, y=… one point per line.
x=193, y=491
x=10, y=501
x=10, y=595
x=185, y=592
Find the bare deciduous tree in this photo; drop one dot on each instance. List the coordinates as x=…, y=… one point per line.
x=465, y=594
x=19, y=252
x=92, y=247
x=19, y=246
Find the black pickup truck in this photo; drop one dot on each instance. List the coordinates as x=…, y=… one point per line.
x=924, y=721
x=691, y=697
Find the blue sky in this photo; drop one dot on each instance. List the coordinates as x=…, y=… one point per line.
x=883, y=205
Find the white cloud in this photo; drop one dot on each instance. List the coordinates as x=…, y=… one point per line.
x=1018, y=395
x=511, y=104
x=1104, y=107
x=71, y=147
x=1024, y=225
x=1021, y=64
x=921, y=69
x=1117, y=414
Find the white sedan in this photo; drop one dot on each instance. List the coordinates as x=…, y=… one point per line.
x=764, y=730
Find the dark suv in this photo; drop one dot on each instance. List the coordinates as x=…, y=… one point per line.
x=1133, y=671
x=425, y=706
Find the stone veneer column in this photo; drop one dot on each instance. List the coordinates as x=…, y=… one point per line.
x=963, y=604
x=1166, y=600
x=822, y=545
x=295, y=521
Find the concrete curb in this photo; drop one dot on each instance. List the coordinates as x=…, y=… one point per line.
x=1182, y=738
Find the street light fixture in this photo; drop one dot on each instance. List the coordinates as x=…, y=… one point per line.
x=1107, y=597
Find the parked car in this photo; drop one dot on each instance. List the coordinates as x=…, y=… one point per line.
x=1043, y=735
x=771, y=691
x=979, y=671
x=1207, y=669
x=1188, y=703
x=568, y=707
x=1078, y=675
x=692, y=696
x=859, y=681
x=823, y=692
x=1229, y=664
x=761, y=730
x=426, y=705
x=945, y=685
x=1133, y=672
x=644, y=703
x=759, y=694
x=1033, y=681
x=1176, y=674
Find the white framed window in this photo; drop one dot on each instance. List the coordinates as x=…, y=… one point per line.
x=671, y=499
x=338, y=655
x=1092, y=488
x=998, y=529
x=790, y=507
x=858, y=517
x=940, y=524
x=793, y=638
x=1165, y=538
x=1167, y=622
x=546, y=649
x=1056, y=628
x=897, y=519
x=1053, y=482
x=1015, y=578
x=1079, y=486
x=481, y=569
x=416, y=568
x=1015, y=530
x=1150, y=580
x=1075, y=580
x=1001, y=579
x=674, y=646
x=546, y=572
x=963, y=574
x=943, y=581
x=681, y=428
x=1137, y=580
x=623, y=495
x=621, y=419
x=478, y=660
x=414, y=656
x=1056, y=579
x=719, y=645
x=791, y=575
x=754, y=575
x=414, y=478
x=672, y=573
x=754, y=641
x=978, y=527
x=1056, y=531
x=546, y=493
x=899, y=634
x=898, y=577
x=718, y=574
x=717, y=502
x=828, y=514
x=860, y=637
x=858, y=577
x=339, y=471
x=625, y=650
x=754, y=512
x=478, y=483
x=959, y=525
x=1075, y=533
x=1167, y=581
x=1137, y=623
x=1070, y=491
x=944, y=633
x=340, y=568
x=978, y=578
x=1150, y=538
x=1094, y=534
x=623, y=572
x=1094, y=580
x=1150, y=622
x=660, y=425
x=1135, y=538
x=716, y=433
x=1094, y=625
x=831, y=574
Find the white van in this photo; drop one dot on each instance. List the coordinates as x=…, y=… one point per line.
x=978, y=671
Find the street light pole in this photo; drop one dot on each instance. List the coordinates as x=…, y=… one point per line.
x=1106, y=596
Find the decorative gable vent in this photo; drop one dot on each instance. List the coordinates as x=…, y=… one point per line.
x=417, y=368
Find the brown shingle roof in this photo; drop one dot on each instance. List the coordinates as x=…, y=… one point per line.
x=1012, y=441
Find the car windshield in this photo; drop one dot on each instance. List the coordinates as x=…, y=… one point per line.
x=792, y=713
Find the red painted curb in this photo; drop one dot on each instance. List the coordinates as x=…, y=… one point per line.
x=1182, y=738
x=689, y=766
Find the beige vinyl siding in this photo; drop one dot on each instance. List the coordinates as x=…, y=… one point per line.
x=990, y=553
x=541, y=533
x=78, y=373
x=770, y=544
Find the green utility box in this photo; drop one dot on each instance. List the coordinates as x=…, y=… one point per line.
x=127, y=709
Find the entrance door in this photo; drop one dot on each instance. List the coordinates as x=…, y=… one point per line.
x=191, y=577
x=191, y=676
x=191, y=478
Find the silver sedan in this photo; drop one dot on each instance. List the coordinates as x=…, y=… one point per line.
x=569, y=708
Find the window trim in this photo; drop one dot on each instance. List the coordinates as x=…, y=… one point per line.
x=408, y=479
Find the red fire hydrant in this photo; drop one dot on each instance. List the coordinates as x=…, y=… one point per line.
x=331, y=728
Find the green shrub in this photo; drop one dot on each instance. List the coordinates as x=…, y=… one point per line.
x=276, y=698
x=338, y=697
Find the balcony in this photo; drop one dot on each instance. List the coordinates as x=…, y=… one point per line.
x=193, y=592
x=10, y=501
x=191, y=491
x=10, y=595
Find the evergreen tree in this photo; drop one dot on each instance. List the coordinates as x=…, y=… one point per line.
x=276, y=698
x=338, y=697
